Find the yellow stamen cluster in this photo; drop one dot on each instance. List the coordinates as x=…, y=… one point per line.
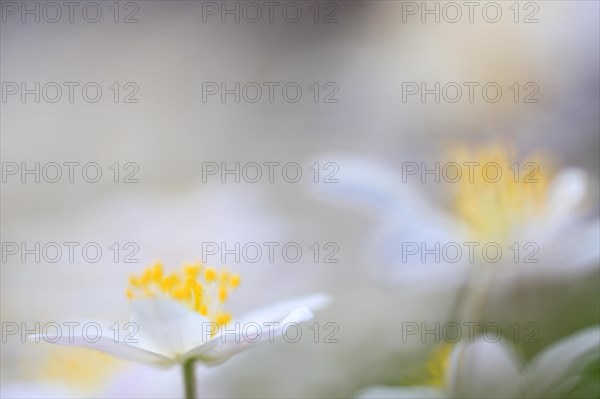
x=495, y=205
x=202, y=289
x=437, y=366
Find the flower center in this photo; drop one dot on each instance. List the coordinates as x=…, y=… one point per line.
x=501, y=193
x=202, y=289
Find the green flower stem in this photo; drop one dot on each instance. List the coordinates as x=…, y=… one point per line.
x=189, y=378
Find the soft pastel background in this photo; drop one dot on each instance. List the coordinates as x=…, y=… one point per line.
x=170, y=212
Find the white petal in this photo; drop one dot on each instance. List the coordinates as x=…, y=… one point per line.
x=382, y=392
x=567, y=191
x=240, y=336
x=275, y=313
x=574, y=249
x=105, y=342
x=364, y=182
x=168, y=327
x=372, y=185
x=483, y=370
x=387, y=242
x=551, y=373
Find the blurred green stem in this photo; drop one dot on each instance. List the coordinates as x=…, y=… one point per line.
x=189, y=378
x=472, y=297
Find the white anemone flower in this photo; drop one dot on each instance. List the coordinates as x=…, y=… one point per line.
x=180, y=319
x=536, y=214
x=529, y=202
x=485, y=369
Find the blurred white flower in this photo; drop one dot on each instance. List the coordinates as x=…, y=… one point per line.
x=536, y=218
x=483, y=369
x=66, y=373
x=180, y=317
x=549, y=215
x=528, y=204
x=82, y=373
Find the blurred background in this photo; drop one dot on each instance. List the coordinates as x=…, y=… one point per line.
x=158, y=121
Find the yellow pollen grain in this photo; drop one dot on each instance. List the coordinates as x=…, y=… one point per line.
x=222, y=294
x=133, y=280
x=182, y=293
x=223, y=318
x=166, y=284
x=147, y=277
x=174, y=279
x=157, y=272
x=192, y=269
x=190, y=282
x=234, y=281
x=210, y=274
x=203, y=310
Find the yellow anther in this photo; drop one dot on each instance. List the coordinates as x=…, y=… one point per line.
x=174, y=279
x=157, y=272
x=182, y=293
x=222, y=293
x=223, y=318
x=234, y=281
x=134, y=281
x=129, y=294
x=166, y=284
x=192, y=269
x=210, y=274
x=147, y=276
x=190, y=282
x=203, y=310
x=197, y=288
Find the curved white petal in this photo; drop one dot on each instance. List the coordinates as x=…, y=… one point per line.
x=383, y=392
x=372, y=185
x=241, y=336
x=575, y=249
x=362, y=182
x=396, y=242
x=275, y=313
x=105, y=342
x=168, y=327
x=567, y=191
x=554, y=372
x=484, y=370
